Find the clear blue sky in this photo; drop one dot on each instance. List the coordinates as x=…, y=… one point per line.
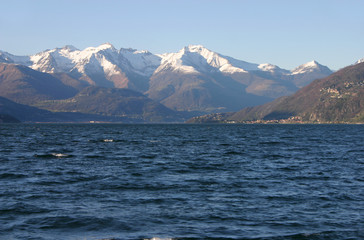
x=286, y=33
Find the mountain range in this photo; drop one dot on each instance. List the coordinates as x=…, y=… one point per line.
x=107, y=84
x=192, y=79
x=336, y=98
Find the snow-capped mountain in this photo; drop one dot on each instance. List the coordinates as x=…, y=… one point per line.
x=267, y=67
x=205, y=77
x=196, y=58
x=194, y=78
x=312, y=66
x=305, y=73
x=6, y=57
x=104, y=57
x=103, y=65
x=360, y=61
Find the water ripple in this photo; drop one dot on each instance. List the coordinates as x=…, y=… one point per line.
x=80, y=181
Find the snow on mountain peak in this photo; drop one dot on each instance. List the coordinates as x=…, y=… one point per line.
x=206, y=53
x=215, y=60
x=101, y=58
x=197, y=58
x=174, y=62
x=142, y=52
x=70, y=48
x=106, y=46
x=313, y=63
x=195, y=48
x=360, y=61
x=194, y=59
x=102, y=47
x=141, y=61
x=267, y=67
x=307, y=67
x=190, y=59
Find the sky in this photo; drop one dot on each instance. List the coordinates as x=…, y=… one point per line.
x=286, y=33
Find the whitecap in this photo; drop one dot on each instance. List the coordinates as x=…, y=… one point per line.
x=60, y=155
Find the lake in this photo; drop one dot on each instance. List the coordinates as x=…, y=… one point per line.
x=180, y=181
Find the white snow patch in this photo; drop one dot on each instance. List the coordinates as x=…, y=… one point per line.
x=143, y=62
x=196, y=58
x=174, y=61
x=360, y=61
x=307, y=67
x=267, y=67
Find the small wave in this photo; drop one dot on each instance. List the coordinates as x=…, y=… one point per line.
x=232, y=153
x=94, y=156
x=12, y=175
x=53, y=155
x=43, y=155
x=74, y=222
x=22, y=208
x=349, y=234
x=157, y=238
x=108, y=140
x=150, y=156
x=273, y=156
x=289, y=168
x=110, y=239
x=270, y=143
x=60, y=155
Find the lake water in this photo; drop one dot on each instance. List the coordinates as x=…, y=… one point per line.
x=113, y=181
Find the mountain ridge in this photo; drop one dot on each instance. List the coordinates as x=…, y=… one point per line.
x=192, y=79
x=113, y=102
x=25, y=85
x=69, y=58
x=336, y=98
x=65, y=98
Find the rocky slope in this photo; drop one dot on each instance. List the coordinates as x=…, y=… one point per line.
x=337, y=98
x=25, y=85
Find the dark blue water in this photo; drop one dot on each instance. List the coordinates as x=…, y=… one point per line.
x=181, y=181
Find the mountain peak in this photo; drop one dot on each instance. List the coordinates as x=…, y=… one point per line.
x=267, y=67
x=105, y=46
x=313, y=62
x=309, y=67
x=102, y=47
x=135, y=51
x=70, y=48
x=334, y=98
x=360, y=61
x=195, y=47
